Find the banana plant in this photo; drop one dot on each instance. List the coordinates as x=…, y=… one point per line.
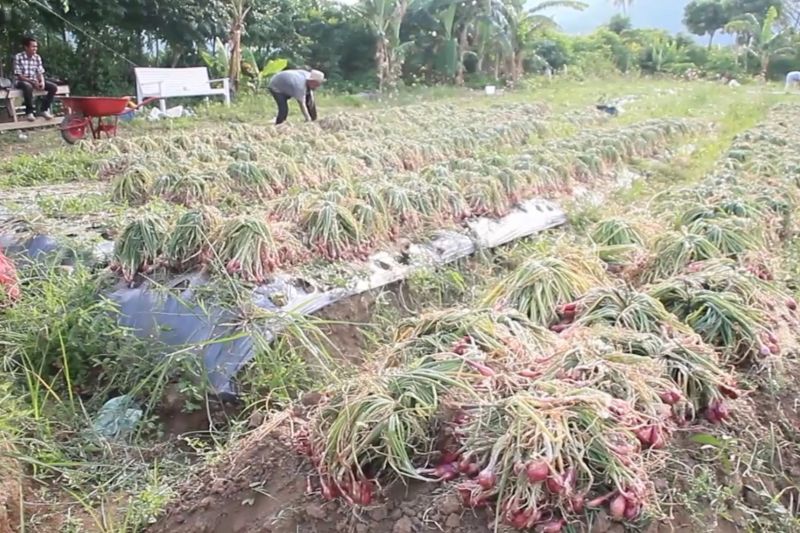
x=260, y=75
x=384, y=17
x=217, y=61
x=448, y=54
x=523, y=23
x=759, y=39
x=666, y=55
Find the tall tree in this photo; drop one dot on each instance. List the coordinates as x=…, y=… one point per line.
x=385, y=17
x=706, y=17
x=760, y=38
x=463, y=21
x=620, y=23
x=758, y=8
x=623, y=5
x=524, y=24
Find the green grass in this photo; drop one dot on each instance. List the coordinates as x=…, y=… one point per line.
x=60, y=166
x=66, y=206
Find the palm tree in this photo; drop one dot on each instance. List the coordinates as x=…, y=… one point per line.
x=524, y=24
x=506, y=25
x=462, y=19
x=624, y=5
x=759, y=38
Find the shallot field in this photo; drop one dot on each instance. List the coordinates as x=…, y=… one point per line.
x=435, y=313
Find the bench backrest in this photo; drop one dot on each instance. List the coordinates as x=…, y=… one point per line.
x=172, y=82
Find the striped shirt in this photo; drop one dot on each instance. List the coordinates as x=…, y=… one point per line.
x=28, y=66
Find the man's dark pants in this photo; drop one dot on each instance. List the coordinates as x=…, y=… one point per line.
x=283, y=106
x=27, y=93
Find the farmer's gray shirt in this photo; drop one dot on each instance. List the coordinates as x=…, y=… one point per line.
x=793, y=77
x=291, y=83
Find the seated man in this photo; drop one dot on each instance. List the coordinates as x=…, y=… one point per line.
x=29, y=73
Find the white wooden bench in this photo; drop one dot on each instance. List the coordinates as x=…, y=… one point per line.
x=163, y=83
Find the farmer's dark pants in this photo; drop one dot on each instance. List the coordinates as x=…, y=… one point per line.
x=27, y=94
x=283, y=106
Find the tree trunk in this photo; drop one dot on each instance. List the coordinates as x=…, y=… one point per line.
x=236, y=55
x=462, y=52
x=481, y=51
x=390, y=66
x=519, y=60
x=711, y=38
x=380, y=61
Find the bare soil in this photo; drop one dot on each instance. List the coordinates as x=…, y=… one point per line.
x=10, y=489
x=262, y=486
x=342, y=322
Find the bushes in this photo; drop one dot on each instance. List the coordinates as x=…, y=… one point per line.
x=63, y=331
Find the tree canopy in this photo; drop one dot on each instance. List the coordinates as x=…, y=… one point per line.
x=706, y=17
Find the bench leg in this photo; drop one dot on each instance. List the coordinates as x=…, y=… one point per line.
x=12, y=108
x=162, y=104
x=226, y=84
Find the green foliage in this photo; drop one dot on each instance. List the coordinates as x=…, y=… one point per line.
x=706, y=17
x=64, y=331
x=217, y=59
x=428, y=41
x=620, y=23
x=759, y=37
x=59, y=166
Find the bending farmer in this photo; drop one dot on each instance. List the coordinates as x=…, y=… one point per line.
x=792, y=80
x=29, y=74
x=297, y=84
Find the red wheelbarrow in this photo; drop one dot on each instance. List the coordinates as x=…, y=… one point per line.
x=91, y=112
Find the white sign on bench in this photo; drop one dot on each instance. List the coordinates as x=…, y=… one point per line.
x=163, y=83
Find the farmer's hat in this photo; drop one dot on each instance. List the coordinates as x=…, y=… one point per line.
x=317, y=75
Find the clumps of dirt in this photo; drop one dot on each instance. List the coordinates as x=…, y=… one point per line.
x=262, y=485
x=415, y=508
x=342, y=323
x=177, y=420
x=10, y=488
x=249, y=489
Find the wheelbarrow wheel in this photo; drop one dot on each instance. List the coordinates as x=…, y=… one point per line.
x=73, y=128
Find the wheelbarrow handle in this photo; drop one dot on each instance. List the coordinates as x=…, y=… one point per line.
x=145, y=102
